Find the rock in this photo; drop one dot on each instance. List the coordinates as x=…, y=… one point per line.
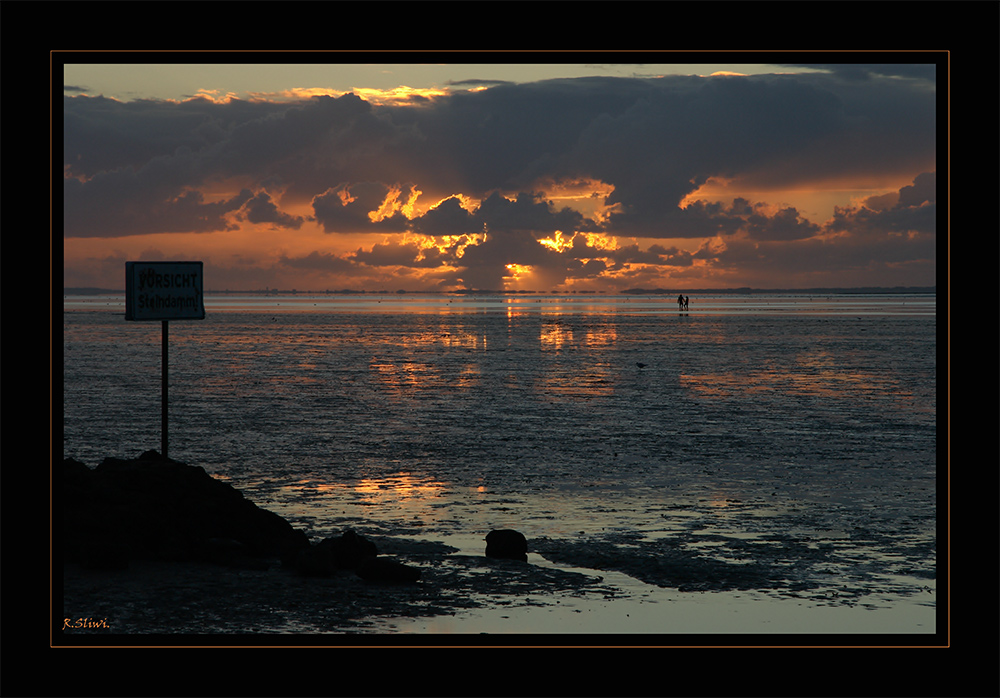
x=508, y=544
x=345, y=552
x=383, y=571
x=159, y=509
x=314, y=562
x=73, y=471
x=230, y=553
x=349, y=549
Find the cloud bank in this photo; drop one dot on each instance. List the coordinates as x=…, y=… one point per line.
x=567, y=183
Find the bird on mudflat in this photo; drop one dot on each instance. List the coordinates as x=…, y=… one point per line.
x=640, y=365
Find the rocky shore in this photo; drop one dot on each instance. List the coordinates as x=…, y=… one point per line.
x=157, y=509
x=155, y=546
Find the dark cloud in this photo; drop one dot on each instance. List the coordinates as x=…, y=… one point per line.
x=886, y=242
x=655, y=255
x=653, y=140
x=484, y=265
x=914, y=215
x=311, y=145
x=447, y=218
x=923, y=190
x=474, y=82
x=318, y=261
x=389, y=254
x=672, y=140
x=140, y=167
x=102, y=135
x=786, y=224
x=702, y=219
x=346, y=209
x=151, y=200
x=528, y=211
x=260, y=209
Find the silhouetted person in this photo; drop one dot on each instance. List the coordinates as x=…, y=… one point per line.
x=685, y=302
x=680, y=302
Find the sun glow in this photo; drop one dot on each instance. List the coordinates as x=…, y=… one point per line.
x=517, y=272
x=454, y=245
x=397, y=96
x=216, y=96
x=392, y=204
x=558, y=241
x=584, y=195
x=600, y=241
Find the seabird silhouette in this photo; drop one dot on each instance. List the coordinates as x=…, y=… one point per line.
x=640, y=365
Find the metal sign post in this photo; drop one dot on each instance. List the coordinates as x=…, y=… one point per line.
x=164, y=291
x=165, y=368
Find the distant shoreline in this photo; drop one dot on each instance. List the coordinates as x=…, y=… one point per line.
x=89, y=291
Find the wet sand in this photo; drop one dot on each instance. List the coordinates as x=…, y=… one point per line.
x=463, y=597
x=766, y=471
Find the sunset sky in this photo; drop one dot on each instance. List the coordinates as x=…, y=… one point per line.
x=549, y=177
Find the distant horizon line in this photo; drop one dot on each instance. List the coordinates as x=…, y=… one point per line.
x=91, y=290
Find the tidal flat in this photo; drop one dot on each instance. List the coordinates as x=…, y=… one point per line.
x=770, y=468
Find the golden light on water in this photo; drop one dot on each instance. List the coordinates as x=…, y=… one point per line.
x=403, y=493
x=399, y=376
x=392, y=488
x=555, y=335
x=398, y=488
x=601, y=337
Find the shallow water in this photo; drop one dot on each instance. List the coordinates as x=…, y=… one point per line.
x=773, y=449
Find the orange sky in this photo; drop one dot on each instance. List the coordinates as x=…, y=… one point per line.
x=604, y=183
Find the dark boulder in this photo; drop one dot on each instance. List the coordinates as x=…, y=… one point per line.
x=344, y=552
x=228, y=552
x=160, y=509
x=507, y=544
x=313, y=562
x=349, y=549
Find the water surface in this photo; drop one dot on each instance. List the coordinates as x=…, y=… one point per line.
x=789, y=439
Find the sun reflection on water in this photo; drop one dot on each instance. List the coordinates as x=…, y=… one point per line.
x=398, y=489
x=401, y=496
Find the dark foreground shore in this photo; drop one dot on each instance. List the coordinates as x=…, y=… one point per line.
x=154, y=549
x=152, y=546
x=170, y=598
